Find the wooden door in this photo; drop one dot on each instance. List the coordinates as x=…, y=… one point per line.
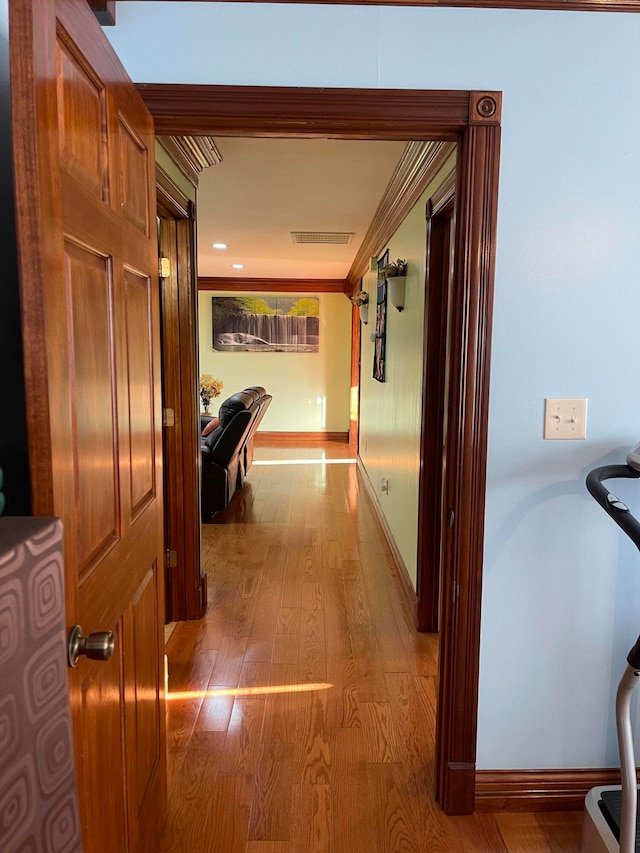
x=85, y=188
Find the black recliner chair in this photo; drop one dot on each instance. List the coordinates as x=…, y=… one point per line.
x=227, y=452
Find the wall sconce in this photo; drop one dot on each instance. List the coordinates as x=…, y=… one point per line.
x=361, y=301
x=397, y=285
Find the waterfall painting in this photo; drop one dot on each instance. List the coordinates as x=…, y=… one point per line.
x=265, y=323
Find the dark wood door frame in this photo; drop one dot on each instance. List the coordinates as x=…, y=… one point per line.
x=472, y=119
x=186, y=596
x=440, y=220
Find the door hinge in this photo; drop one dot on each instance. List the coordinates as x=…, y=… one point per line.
x=168, y=417
x=171, y=559
x=456, y=591
x=164, y=267
x=451, y=517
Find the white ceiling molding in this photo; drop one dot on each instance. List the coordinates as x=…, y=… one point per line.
x=420, y=163
x=192, y=154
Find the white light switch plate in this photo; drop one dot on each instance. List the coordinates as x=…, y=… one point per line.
x=565, y=417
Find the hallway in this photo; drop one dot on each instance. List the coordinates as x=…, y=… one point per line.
x=301, y=710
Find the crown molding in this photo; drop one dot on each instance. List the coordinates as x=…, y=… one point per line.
x=539, y=5
x=191, y=154
x=543, y=5
x=443, y=195
x=273, y=285
x=420, y=163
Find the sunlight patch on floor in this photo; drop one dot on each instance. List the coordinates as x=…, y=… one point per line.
x=213, y=692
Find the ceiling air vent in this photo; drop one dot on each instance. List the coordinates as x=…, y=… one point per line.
x=335, y=238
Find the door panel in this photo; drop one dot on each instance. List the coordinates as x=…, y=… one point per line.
x=82, y=119
x=145, y=683
x=140, y=380
x=100, y=712
x=90, y=300
x=83, y=143
x=134, y=178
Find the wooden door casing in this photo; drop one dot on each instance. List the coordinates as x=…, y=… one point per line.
x=85, y=188
x=186, y=588
x=471, y=118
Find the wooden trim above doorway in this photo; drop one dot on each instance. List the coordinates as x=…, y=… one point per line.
x=472, y=119
x=273, y=285
x=187, y=110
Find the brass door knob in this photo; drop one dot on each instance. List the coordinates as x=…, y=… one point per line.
x=97, y=646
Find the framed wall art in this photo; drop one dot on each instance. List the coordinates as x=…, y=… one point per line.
x=265, y=323
x=381, y=321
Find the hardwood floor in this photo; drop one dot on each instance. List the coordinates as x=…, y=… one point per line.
x=301, y=709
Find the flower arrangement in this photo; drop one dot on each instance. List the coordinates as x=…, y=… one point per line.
x=209, y=387
x=395, y=268
x=360, y=299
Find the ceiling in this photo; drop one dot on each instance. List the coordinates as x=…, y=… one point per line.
x=266, y=188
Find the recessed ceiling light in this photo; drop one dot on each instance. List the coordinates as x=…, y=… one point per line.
x=220, y=245
x=237, y=266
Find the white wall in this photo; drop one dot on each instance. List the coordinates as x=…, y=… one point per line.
x=561, y=599
x=310, y=390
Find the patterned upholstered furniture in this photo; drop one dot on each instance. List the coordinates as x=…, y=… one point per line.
x=38, y=801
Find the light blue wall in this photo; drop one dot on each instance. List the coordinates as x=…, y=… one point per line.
x=561, y=599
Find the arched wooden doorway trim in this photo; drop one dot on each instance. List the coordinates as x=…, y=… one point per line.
x=472, y=119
